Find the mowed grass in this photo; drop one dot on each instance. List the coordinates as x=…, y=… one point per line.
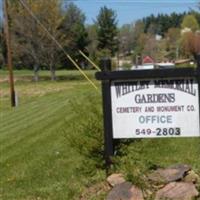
x=27, y=75
x=44, y=141
x=36, y=159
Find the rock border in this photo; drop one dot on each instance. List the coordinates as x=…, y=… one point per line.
x=176, y=182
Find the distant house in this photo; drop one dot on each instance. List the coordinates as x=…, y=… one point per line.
x=188, y=30
x=147, y=60
x=185, y=30
x=183, y=61
x=165, y=65
x=147, y=63
x=158, y=37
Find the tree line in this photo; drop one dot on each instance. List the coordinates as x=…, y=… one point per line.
x=162, y=23
x=171, y=37
x=168, y=37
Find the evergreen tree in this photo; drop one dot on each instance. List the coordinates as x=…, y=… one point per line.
x=107, y=30
x=92, y=35
x=162, y=22
x=73, y=26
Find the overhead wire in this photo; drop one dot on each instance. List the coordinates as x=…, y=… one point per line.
x=58, y=44
x=89, y=60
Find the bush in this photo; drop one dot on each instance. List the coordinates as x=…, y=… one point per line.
x=87, y=137
x=127, y=66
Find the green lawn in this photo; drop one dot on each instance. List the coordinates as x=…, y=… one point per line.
x=50, y=146
x=36, y=159
x=27, y=75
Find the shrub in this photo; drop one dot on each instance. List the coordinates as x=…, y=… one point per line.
x=87, y=137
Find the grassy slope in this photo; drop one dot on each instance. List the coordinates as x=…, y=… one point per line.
x=36, y=160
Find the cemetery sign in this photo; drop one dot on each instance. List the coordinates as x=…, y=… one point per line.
x=152, y=103
x=155, y=108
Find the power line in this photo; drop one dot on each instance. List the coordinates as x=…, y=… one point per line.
x=88, y=59
x=57, y=43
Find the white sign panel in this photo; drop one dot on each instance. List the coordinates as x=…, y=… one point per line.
x=155, y=108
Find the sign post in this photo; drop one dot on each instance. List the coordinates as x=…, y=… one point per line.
x=149, y=104
x=105, y=65
x=198, y=60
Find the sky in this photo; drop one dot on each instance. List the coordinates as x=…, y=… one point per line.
x=129, y=11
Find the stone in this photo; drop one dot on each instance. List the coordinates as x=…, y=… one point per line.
x=177, y=191
x=91, y=192
x=136, y=193
x=170, y=174
x=192, y=177
x=115, y=179
x=125, y=191
x=182, y=167
x=147, y=193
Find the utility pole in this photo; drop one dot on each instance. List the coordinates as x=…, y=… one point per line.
x=9, y=54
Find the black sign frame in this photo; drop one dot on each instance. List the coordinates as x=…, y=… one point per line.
x=106, y=76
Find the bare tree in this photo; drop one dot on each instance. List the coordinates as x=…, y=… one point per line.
x=30, y=42
x=191, y=44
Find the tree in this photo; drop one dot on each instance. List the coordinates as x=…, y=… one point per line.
x=172, y=42
x=107, y=30
x=173, y=34
x=73, y=25
x=150, y=46
x=190, y=40
x=92, y=36
x=31, y=43
x=126, y=39
x=141, y=42
x=191, y=44
x=189, y=21
x=52, y=21
x=153, y=29
x=161, y=23
x=138, y=44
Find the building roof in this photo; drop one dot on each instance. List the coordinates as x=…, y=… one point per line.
x=147, y=60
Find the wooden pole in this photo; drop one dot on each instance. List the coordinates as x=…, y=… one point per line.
x=198, y=60
x=9, y=54
x=105, y=65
